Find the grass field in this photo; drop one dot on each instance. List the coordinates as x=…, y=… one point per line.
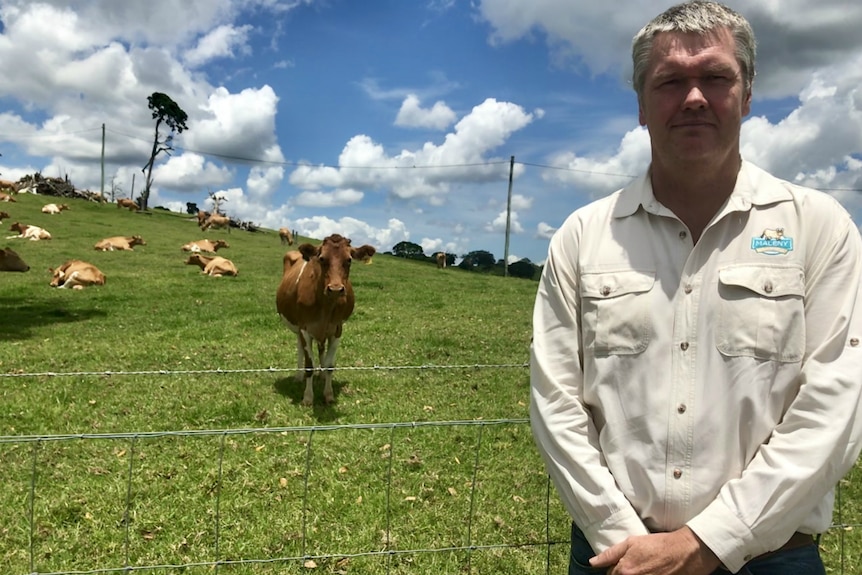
x=153, y=422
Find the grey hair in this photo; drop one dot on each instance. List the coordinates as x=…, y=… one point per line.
x=700, y=17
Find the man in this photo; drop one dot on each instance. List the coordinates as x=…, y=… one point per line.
x=696, y=365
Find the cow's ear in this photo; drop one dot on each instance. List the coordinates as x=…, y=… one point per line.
x=308, y=251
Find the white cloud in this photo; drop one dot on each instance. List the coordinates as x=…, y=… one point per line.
x=358, y=231
x=317, y=199
x=412, y=173
x=545, y=230
x=189, y=172
x=499, y=223
x=221, y=42
x=413, y=115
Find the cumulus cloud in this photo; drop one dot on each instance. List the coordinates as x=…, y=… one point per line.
x=189, y=172
x=544, y=230
x=413, y=115
x=427, y=172
x=317, y=199
x=597, y=35
x=221, y=42
x=358, y=231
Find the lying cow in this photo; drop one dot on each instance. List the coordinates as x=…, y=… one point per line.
x=6, y=198
x=27, y=232
x=4, y=216
x=76, y=274
x=216, y=221
x=128, y=203
x=286, y=236
x=215, y=266
x=119, y=243
x=54, y=208
x=205, y=246
x=11, y=261
x=314, y=299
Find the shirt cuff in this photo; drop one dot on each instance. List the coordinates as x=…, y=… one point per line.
x=618, y=527
x=726, y=535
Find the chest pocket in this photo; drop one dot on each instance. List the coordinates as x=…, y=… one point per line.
x=615, y=311
x=762, y=312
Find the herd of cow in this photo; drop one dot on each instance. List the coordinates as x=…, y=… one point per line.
x=314, y=298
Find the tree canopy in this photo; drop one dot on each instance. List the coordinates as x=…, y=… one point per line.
x=166, y=111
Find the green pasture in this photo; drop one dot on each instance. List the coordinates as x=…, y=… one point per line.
x=153, y=425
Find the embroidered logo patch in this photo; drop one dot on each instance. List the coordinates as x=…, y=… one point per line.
x=772, y=242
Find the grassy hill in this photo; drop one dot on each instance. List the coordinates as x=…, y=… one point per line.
x=154, y=421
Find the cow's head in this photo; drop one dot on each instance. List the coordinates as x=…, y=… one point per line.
x=137, y=241
x=220, y=244
x=11, y=261
x=335, y=255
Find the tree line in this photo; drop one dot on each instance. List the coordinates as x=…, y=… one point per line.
x=476, y=261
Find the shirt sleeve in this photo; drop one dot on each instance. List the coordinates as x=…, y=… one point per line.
x=562, y=427
x=818, y=439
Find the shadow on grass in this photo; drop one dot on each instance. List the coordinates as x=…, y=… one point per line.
x=293, y=390
x=18, y=320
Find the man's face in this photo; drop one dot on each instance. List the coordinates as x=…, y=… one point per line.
x=693, y=98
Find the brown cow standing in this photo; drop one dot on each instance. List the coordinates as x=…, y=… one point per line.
x=205, y=246
x=11, y=261
x=9, y=185
x=314, y=299
x=76, y=274
x=119, y=243
x=216, y=221
x=441, y=260
x=202, y=218
x=127, y=203
x=215, y=266
x=286, y=236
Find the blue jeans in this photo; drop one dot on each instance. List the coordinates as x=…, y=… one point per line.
x=800, y=561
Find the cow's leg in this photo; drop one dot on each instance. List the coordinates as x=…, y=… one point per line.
x=327, y=363
x=307, y=343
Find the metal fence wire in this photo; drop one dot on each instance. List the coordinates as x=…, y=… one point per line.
x=351, y=498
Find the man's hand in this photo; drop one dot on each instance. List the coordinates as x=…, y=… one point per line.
x=677, y=553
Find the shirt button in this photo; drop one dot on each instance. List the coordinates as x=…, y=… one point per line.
x=683, y=346
x=677, y=473
x=681, y=408
x=767, y=287
x=854, y=341
x=683, y=234
x=687, y=288
x=606, y=290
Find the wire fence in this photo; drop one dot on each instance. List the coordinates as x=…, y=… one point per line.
x=418, y=497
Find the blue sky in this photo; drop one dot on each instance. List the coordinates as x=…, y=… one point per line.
x=392, y=120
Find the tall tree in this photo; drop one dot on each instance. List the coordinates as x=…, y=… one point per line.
x=165, y=111
x=408, y=250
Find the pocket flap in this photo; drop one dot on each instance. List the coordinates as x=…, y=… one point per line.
x=767, y=281
x=615, y=284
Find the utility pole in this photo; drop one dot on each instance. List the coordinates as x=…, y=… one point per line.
x=103, y=160
x=508, y=218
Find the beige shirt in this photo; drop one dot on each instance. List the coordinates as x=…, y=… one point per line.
x=715, y=385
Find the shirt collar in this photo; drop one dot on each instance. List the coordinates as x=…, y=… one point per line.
x=754, y=186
